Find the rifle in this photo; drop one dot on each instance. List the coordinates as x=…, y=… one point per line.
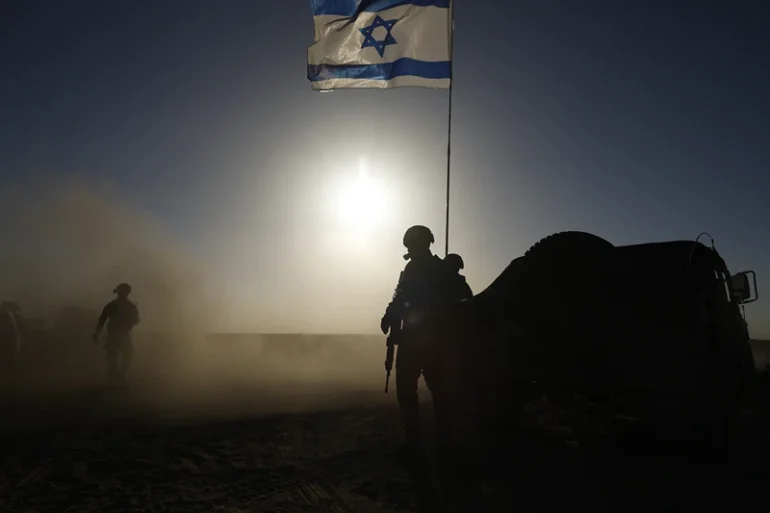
x=391, y=343
x=392, y=340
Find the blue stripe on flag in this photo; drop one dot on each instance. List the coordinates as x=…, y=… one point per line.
x=352, y=7
x=385, y=71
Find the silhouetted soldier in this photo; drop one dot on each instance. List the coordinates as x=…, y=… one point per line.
x=461, y=289
x=122, y=315
x=424, y=287
x=10, y=335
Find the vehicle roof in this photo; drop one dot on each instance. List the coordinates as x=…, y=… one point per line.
x=659, y=254
x=674, y=245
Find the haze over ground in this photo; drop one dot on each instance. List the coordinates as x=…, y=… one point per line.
x=635, y=122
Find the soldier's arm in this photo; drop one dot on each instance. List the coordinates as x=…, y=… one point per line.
x=389, y=318
x=398, y=305
x=395, y=309
x=106, y=313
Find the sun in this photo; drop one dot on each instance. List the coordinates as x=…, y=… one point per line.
x=361, y=203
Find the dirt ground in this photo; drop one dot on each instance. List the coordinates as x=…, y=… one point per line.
x=305, y=445
x=102, y=452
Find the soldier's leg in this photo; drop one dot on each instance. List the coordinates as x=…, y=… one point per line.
x=455, y=461
x=111, y=350
x=408, y=371
x=435, y=380
x=128, y=356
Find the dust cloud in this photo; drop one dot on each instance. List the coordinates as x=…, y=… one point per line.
x=67, y=243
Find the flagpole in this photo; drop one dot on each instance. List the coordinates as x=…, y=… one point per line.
x=449, y=124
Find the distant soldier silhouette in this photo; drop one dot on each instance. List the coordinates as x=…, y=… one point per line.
x=424, y=287
x=121, y=315
x=455, y=264
x=10, y=335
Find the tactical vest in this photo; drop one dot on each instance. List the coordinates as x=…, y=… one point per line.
x=427, y=287
x=123, y=317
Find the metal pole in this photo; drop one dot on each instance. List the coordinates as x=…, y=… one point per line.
x=449, y=124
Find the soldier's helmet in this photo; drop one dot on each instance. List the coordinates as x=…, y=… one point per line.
x=418, y=237
x=122, y=289
x=454, y=262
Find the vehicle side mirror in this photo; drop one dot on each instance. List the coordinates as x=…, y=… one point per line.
x=743, y=291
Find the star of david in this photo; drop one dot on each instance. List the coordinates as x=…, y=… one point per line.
x=369, y=38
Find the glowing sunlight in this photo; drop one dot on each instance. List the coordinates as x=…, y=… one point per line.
x=361, y=203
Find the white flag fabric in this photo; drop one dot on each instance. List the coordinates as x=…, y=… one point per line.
x=380, y=44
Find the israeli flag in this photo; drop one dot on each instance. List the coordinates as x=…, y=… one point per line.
x=380, y=44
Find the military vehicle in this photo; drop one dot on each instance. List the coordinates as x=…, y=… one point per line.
x=655, y=329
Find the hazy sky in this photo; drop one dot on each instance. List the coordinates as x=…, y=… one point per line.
x=637, y=121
